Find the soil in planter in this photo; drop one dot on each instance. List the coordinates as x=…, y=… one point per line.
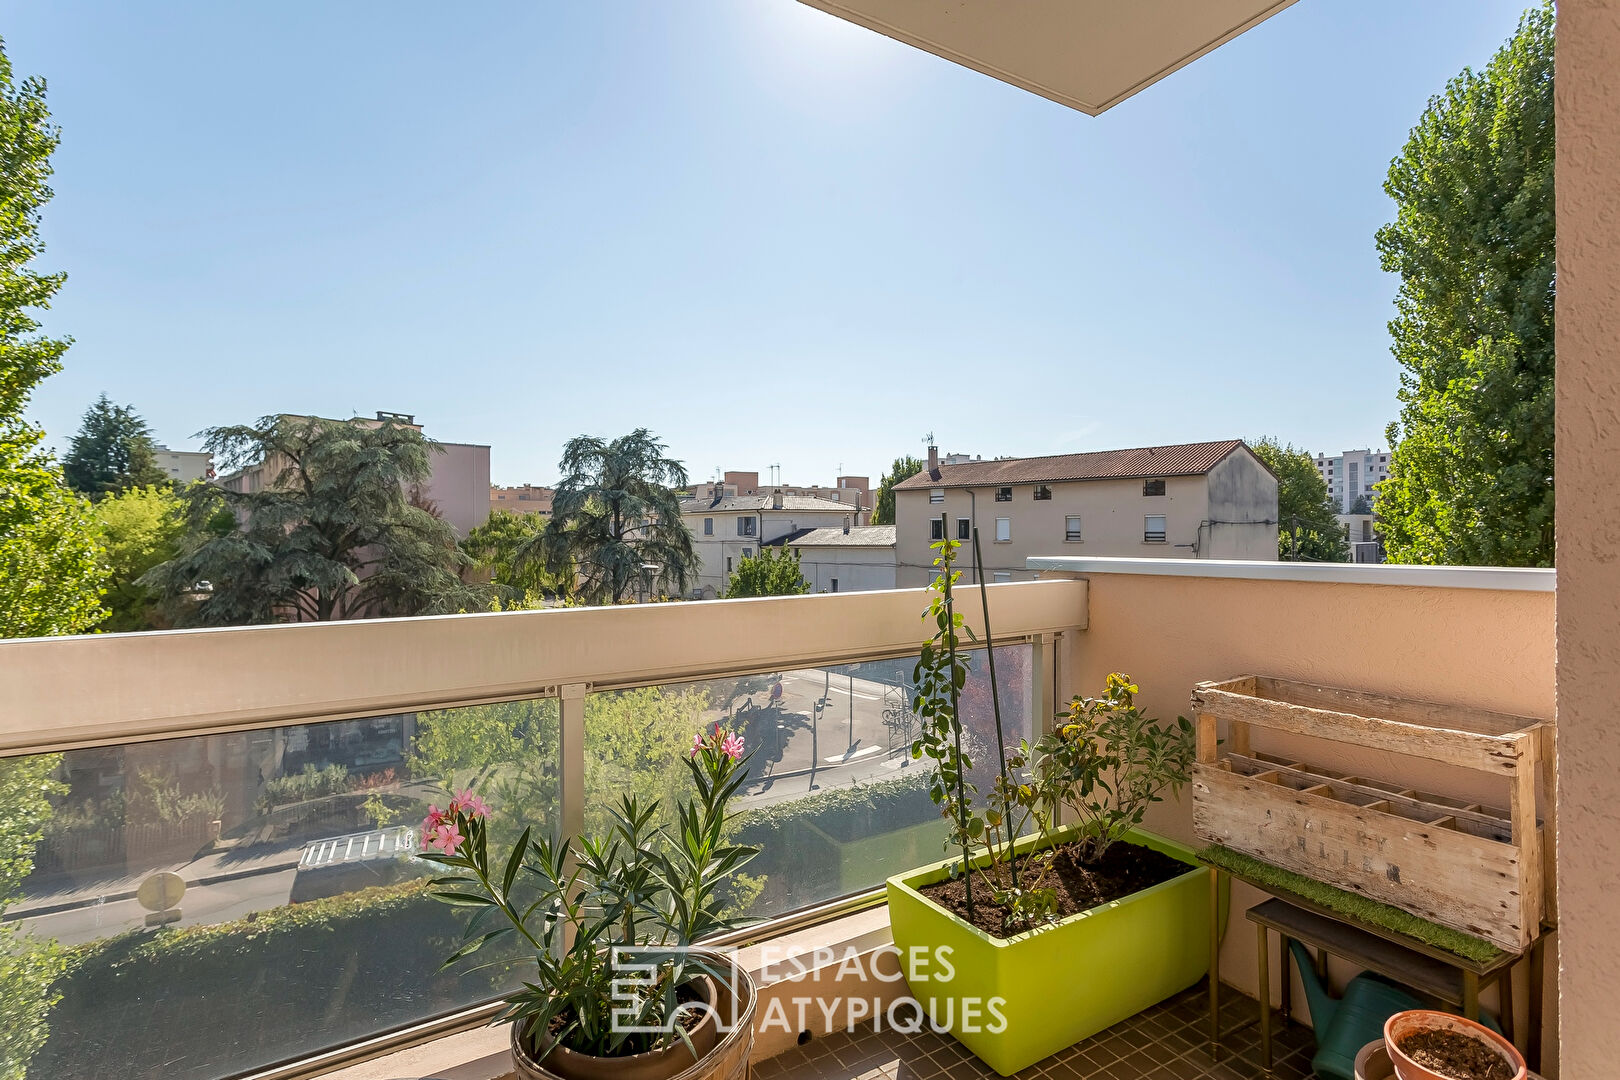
x=1455, y=1055
x=1124, y=869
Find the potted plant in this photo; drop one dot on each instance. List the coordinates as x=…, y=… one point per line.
x=620, y=988
x=1034, y=935
x=1428, y=1045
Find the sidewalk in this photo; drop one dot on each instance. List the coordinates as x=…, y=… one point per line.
x=226, y=864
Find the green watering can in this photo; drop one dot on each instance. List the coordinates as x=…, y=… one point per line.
x=1344, y=1025
x=1347, y=1024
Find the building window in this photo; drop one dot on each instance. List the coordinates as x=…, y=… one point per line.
x=1153, y=529
x=708, y=526
x=1071, y=529
x=728, y=564
x=1043, y=493
x=1003, y=494
x=998, y=576
x=745, y=526
x=1003, y=530
x=936, y=529
x=1153, y=487
x=834, y=584
x=748, y=553
x=964, y=529
x=936, y=495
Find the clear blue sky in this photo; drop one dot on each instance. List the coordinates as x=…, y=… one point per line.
x=767, y=235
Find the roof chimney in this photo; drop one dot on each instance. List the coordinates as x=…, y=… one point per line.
x=933, y=461
x=776, y=499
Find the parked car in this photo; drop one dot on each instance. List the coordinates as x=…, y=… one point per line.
x=343, y=864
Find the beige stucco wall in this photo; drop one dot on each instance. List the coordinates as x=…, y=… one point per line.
x=1588, y=341
x=713, y=550
x=459, y=486
x=1484, y=647
x=1111, y=516
x=856, y=569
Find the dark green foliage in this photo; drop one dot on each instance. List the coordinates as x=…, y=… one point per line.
x=773, y=572
x=613, y=515
x=1307, y=530
x=1471, y=468
x=201, y=1002
x=338, y=530
x=904, y=468
x=112, y=452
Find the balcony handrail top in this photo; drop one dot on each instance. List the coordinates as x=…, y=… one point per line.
x=1499, y=578
x=101, y=689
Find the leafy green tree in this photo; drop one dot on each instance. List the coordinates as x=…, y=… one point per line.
x=1471, y=463
x=335, y=532
x=773, y=572
x=50, y=572
x=1307, y=530
x=493, y=550
x=28, y=965
x=112, y=452
x=140, y=528
x=616, y=520
x=904, y=468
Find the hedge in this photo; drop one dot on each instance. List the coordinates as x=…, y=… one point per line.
x=199, y=1002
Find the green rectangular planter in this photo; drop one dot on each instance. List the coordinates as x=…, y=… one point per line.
x=1060, y=983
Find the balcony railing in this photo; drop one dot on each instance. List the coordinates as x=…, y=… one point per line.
x=219, y=814
x=212, y=754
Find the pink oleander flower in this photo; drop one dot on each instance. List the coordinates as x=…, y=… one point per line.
x=468, y=803
x=446, y=838
x=732, y=746
x=435, y=818
x=697, y=743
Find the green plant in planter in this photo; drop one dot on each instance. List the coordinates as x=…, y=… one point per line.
x=1012, y=805
x=641, y=884
x=1107, y=762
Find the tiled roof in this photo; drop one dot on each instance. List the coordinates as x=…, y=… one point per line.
x=747, y=503
x=1187, y=459
x=859, y=536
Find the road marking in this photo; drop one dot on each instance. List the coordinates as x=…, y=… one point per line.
x=862, y=752
x=857, y=693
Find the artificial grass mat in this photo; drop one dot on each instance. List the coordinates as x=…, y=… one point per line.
x=1351, y=905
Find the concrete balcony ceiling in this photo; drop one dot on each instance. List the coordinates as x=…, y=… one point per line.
x=1087, y=54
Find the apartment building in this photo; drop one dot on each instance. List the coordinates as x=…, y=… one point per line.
x=184, y=466
x=1209, y=500
x=853, y=491
x=854, y=558
x=729, y=528
x=522, y=499
x=1352, y=475
x=458, y=487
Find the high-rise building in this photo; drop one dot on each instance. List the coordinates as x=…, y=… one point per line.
x=1352, y=475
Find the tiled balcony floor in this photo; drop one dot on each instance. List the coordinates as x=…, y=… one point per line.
x=1170, y=1040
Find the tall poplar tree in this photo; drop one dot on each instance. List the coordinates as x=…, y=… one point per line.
x=1471, y=463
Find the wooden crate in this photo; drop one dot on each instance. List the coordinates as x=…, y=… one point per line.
x=1478, y=869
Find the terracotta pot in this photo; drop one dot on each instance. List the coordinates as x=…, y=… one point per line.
x=1405, y=1024
x=722, y=1055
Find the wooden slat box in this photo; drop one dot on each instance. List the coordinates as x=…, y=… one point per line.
x=1474, y=868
